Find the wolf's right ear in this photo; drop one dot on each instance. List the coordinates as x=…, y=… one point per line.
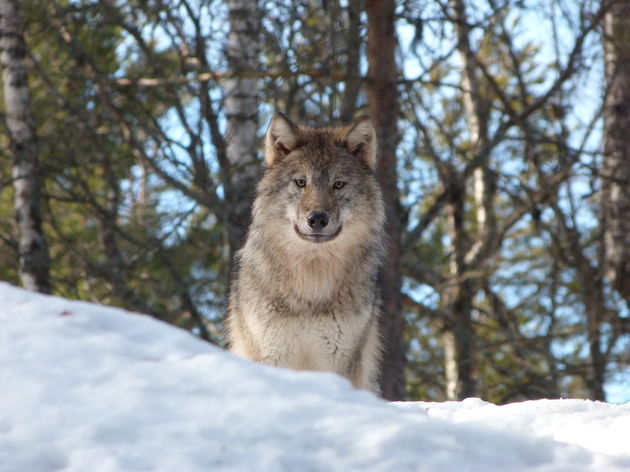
x=281, y=138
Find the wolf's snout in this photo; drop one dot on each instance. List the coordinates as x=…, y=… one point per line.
x=317, y=220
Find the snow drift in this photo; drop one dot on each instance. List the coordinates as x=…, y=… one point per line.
x=87, y=388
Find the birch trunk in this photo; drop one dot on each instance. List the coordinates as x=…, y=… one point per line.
x=383, y=97
x=352, y=83
x=616, y=163
x=32, y=246
x=241, y=109
x=457, y=298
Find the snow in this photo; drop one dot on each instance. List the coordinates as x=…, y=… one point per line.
x=92, y=388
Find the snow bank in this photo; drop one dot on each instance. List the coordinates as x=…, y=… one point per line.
x=90, y=388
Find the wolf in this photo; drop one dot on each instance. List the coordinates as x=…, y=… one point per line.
x=304, y=288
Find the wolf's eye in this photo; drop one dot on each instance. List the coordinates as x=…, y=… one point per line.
x=338, y=184
x=300, y=183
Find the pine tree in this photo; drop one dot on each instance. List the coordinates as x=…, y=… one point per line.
x=382, y=92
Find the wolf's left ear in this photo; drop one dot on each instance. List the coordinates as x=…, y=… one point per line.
x=281, y=138
x=360, y=139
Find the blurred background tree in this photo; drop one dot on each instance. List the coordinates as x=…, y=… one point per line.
x=504, y=141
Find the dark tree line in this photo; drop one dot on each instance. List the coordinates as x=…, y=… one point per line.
x=132, y=146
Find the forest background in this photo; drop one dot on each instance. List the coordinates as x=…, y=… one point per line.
x=131, y=147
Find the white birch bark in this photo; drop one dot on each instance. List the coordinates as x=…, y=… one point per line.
x=33, y=249
x=241, y=108
x=457, y=338
x=616, y=163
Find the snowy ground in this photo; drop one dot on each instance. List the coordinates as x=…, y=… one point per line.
x=92, y=389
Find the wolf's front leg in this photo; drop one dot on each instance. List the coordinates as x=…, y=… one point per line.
x=365, y=366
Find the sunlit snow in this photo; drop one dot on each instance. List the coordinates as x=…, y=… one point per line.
x=87, y=388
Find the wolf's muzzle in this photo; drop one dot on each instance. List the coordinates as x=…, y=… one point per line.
x=316, y=237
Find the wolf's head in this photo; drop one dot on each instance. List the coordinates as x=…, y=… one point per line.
x=319, y=184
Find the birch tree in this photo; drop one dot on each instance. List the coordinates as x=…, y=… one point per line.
x=31, y=242
x=241, y=109
x=457, y=298
x=616, y=163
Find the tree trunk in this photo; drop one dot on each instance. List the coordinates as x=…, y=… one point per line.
x=352, y=82
x=383, y=98
x=616, y=163
x=595, y=309
x=241, y=109
x=33, y=255
x=457, y=302
x=457, y=297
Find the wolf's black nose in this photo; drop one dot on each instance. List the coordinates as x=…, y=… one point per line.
x=317, y=220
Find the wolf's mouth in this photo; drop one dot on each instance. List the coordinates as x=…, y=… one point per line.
x=317, y=237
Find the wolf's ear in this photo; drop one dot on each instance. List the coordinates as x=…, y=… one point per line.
x=281, y=139
x=360, y=139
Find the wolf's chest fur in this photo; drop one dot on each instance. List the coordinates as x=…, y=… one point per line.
x=323, y=325
x=324, y=342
